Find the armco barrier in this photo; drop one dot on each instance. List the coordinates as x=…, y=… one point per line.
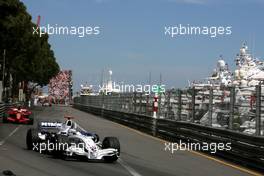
x=246, y=150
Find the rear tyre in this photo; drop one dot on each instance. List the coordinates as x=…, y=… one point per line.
x=5, y=118
x=31, y=119
x=111, y=142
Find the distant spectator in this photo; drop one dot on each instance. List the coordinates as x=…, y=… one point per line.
x=59, y=87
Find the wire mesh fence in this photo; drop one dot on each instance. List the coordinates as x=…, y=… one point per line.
x=233, y=108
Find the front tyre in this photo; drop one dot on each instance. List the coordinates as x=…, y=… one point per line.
x=111, y=142
x=96, y=138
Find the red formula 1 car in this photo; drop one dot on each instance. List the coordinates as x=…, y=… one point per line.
x=18, y=115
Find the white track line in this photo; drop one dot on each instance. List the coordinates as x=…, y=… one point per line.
x=13, y=132
x=132, y=171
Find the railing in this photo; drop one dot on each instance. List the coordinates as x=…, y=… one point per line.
x=231, y=108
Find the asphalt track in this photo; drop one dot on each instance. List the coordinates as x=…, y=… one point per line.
x=141, y=155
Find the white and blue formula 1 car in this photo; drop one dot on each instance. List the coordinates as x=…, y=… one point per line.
x=68, y=139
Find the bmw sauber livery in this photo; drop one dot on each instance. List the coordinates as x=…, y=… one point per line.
x=69, y=140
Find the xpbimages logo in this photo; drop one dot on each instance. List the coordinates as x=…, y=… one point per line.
x=192, y=146
x=128, y=88
x=50, y=146
x=184, y=30
x=79, y=31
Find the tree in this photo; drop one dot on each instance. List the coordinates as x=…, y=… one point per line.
x=29, y=58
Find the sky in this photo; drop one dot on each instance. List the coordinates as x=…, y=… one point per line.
x=132, y=41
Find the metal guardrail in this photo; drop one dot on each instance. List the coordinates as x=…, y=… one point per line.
x=246, y=149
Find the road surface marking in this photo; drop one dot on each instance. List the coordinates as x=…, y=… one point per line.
x=11, y=134
x=132, y=171
x=234, y=166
